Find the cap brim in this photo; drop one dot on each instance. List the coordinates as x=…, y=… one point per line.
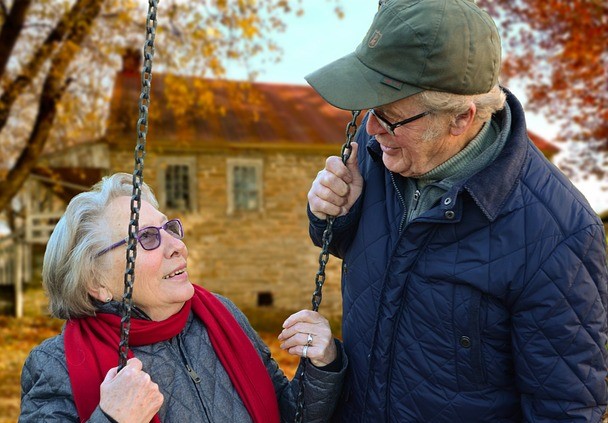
x=350, y=85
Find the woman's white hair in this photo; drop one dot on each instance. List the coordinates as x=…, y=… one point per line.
x=71, y=265
x=450, y=106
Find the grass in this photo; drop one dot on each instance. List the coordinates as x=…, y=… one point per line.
x=19, y=336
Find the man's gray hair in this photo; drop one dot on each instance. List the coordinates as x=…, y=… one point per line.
x=71, y=265
x=455, y=104
x=450, y=106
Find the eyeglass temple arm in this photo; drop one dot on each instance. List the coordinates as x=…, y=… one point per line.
x=111, y=247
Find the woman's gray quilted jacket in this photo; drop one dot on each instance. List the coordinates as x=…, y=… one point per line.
x=46, y=394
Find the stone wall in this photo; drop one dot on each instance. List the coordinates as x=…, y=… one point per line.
x=247, y=254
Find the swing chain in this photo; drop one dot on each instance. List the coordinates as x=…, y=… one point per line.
x=317, y=296
x=140, y=152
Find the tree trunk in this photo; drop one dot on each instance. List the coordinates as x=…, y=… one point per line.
x=65, y=26
x=53, y=89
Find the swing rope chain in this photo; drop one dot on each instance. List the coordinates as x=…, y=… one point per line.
x=140, y=152
x=317, y=296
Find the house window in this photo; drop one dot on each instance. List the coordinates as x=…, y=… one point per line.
x=177, y=187
x=176, y=182
x=244, y=185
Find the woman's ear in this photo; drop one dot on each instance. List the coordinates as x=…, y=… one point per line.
x=101, y=293
x=463, y=121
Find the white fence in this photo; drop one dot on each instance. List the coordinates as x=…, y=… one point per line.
x=7, y=260
x=38, y=226
x=16, y=256
x=15, y=269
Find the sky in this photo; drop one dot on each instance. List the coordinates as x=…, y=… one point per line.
x=320, y=37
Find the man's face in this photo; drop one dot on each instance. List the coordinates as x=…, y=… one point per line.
x=410, y=151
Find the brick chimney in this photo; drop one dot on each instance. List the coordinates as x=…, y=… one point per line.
x=131, y=62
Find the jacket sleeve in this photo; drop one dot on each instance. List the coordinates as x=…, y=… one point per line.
x=46, y=393
x=560, y=334
x=321, y=388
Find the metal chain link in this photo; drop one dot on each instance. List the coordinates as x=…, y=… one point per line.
x=317, y=296
x=140, y=152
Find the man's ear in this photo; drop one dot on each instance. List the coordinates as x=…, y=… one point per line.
x=463, y=121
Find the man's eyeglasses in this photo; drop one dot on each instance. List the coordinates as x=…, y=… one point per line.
x=390, y=127
x=149, y=237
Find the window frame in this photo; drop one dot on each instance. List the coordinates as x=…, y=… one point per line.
x=163, y=164
x=258, y=166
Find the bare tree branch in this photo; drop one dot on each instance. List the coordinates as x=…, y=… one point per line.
x=15, y=88
x=54, y=87
x=11, y=29
x=3, y=12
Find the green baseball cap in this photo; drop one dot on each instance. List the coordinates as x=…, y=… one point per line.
x=414, y=45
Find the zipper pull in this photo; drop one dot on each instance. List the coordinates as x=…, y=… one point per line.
x=196, y=378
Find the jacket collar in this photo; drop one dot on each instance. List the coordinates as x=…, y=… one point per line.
x=492, y=186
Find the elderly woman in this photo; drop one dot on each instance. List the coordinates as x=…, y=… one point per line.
x=194, y=355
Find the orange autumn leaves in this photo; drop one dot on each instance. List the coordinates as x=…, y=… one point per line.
x=558, y=49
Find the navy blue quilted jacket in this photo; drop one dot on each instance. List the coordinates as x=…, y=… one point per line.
x=489, y=307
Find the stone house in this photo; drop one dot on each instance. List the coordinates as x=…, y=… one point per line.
x=237, y=178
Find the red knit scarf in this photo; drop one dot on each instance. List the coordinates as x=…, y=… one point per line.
x=91, y=346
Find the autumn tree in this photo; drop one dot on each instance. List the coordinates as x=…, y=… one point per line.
x=58, y=59
x=558, y=50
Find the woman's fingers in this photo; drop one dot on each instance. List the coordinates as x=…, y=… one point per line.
x=308, y=334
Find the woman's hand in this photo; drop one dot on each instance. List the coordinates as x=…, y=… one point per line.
x=130, y=395
x=307, y=334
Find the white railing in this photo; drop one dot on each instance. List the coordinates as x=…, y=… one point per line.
x=14, y=268
x=7, y=260
x=38, y=226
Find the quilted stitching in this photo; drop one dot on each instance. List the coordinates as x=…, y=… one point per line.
x=526, y=284
x=46, y=390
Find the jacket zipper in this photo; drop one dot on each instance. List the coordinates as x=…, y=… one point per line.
x=391, y=357
x=193, y=375
x=402, y=202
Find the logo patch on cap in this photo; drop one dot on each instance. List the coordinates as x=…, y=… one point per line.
x=373, y=41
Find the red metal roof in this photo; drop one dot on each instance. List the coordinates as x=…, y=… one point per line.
x=545, y=146
x=258, y=113
x=238, y=114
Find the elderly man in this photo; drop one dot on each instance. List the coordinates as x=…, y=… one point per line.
x=474, y=273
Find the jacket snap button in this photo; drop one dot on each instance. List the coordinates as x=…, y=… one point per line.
x=465, y=341
x=449, y=214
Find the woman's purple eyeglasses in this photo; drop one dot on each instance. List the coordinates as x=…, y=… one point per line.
x=149, y=237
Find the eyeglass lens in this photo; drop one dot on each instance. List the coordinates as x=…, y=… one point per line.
x=149, y=238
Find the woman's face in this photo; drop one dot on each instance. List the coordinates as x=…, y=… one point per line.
x=161, y=284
